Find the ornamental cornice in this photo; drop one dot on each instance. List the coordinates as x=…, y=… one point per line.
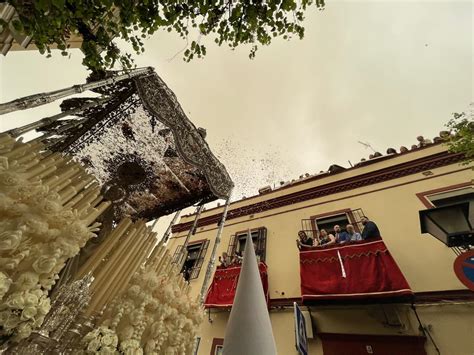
x=378, y=176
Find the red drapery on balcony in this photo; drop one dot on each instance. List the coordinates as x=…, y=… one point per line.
x=222, y=290
x=354, y=271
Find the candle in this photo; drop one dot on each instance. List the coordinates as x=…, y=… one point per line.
x=104, y=248
x=22, y=149
x=43, y=173
x=131, y=267
x=125, y=243
x=115, y=264
x=59, y=177
x=44, y=164
x=85, y=202
x=97, y=212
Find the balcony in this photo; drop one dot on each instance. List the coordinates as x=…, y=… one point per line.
x=221, y=293
x=357, y=272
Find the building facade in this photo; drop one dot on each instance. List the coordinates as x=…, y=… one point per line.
x=390, y=190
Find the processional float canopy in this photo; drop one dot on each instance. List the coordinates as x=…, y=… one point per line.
x=136, y=140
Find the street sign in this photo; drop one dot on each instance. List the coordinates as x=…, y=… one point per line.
x=464, y=269
x=300, y=331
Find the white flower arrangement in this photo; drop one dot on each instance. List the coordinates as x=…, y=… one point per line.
x=5, y=283
x=38, y=235
x=23, y=311
x=101, y=341
x=153, y=316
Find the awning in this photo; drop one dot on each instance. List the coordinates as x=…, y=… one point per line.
x=363, y=270
x=222, y=290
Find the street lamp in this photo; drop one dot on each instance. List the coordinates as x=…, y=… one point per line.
x=452, y=225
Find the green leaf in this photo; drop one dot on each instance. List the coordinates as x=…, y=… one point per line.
x=98, y=22
x=17, y=25
x=59, y=4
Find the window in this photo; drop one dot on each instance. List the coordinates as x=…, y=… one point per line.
x=452, y=197
x=259, y=238
x=217, y=346
x=328, y=220
x=447, y=195
x=328, y=223
x=193, y=258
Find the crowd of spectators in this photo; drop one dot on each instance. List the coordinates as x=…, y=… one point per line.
x=323, y=238
x=225, y=260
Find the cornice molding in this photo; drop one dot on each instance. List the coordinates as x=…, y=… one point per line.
x=432, y=297
x=378, y=176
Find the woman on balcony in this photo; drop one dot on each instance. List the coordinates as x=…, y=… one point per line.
x=325, y=239
x=224, y=260
x=304, y=240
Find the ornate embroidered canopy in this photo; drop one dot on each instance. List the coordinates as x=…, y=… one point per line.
x=137, y=141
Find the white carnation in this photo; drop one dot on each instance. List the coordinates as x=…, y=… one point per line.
x=28, y=313
x=10, y=179
x=26, y=281
x=31, y=299
x=15, y=301
x=93, y=345
x=5, y=283
x=44, y=264
x=23, y=331
x=10, y=240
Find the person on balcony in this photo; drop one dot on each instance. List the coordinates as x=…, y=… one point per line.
x=187, y=274
x=304, y=240
x=325, y=239
x=340, y=235
x=370, y=229
x=352, y=234
x=237, y=259
x=224, y=260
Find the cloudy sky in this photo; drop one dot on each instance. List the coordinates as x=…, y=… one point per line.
x=381, y=72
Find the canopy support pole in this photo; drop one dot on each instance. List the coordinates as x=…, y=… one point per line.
x=167, y=234
x=16, y=132
x=211, y=263
x=184, y=251
x=36, y=100
x=155, y=222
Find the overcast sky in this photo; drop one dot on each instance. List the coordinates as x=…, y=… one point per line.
x=376, y=71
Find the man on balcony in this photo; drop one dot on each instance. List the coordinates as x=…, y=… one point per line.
x=341, y=236
x=353, y=235
x=370, y=229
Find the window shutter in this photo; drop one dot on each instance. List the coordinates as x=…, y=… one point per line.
x=355, y=217
x=232, y=245
x=197, y=266
x=176, y=254
x=262, y=243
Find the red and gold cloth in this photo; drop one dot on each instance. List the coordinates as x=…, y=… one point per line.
x=221, y=293
x=354, y=271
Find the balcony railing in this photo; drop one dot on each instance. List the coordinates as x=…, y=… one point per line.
x=351, y=271
x=221, y=293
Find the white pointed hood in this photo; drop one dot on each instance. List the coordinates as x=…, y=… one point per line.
x=249, y=330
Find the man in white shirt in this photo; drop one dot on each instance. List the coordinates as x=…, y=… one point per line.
x=353, y=235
